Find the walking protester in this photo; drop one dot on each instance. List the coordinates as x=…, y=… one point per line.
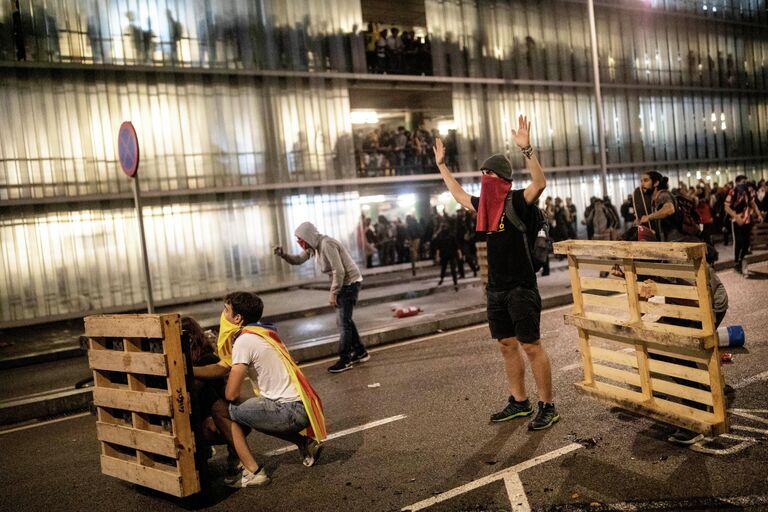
x=573, y=224
x=448, y=250
x=514, y=304
x=740, y=205
x=587, y=211
x=413, y=235
x=346, y=279
x=627, y=212
x=704, y=210
x=613, y=217
x=369, y=243
x=465, y=238
x=560, y=230
x=285, y=406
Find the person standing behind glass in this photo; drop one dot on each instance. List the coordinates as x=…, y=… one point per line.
x=334, y=259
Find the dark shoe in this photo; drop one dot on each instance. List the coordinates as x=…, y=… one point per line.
x=545, y=418
x=340, y=366
x=360, y=358
x=513, y=410
x=685, y=437
x=439, y=282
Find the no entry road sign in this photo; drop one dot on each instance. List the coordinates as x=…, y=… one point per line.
x=128, y=149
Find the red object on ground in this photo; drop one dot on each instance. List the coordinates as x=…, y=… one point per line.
x=726, y=357
x=404, y=312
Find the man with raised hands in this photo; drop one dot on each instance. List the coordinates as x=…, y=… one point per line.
x=514, y=304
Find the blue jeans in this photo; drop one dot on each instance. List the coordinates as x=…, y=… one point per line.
x=349, y=338
x=270, y=416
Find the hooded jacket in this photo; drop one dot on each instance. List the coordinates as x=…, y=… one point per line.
x=330, y=255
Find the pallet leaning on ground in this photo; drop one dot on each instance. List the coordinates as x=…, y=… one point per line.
x=143, y=404
x=630, y=358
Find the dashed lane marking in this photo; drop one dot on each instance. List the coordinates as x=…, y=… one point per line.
x=43, y=423
x=516, y=493
x=342, y=433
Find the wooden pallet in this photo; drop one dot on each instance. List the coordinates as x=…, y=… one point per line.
x=629, y=358
x=143, y=405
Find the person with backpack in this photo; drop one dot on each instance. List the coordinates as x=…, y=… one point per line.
x=663, y=211
x=514, y=229
x=739, y=205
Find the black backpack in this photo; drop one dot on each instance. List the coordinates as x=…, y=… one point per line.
x=535, y=234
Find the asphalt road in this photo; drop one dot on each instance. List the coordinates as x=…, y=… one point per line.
x=432, y=398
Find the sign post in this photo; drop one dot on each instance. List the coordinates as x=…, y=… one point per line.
x=128, y=151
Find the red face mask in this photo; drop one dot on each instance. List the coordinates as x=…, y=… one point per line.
x=304, y=245
x=493, y=195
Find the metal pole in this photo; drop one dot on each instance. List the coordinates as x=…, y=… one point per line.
x=598, y=97
x=145, y=259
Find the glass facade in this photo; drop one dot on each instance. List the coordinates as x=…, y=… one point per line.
x=245, y=120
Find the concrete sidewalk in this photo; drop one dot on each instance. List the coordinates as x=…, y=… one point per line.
x=310, y=331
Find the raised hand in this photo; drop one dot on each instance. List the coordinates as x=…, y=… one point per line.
x=439, y=150
x=522, y=136
x=277, y=250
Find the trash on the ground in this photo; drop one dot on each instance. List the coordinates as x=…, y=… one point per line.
x=726, y=357
x=575, y=496
x=731, y=336
x=405, y=312
x=588, y=442
x=375, y=385
x=491, y=462
x=595, y=504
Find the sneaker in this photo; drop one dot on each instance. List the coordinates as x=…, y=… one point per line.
x=311, y=453
x=685, y=437
x=361, y=357
x=513, y=410
x=340, y=366
x=245, y=478
x=545, y=418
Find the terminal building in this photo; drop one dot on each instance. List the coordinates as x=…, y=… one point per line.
x=253, y=117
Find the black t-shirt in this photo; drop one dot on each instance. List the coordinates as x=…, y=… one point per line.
x=508, y=265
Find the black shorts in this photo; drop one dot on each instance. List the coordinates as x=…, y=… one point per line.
x=515, y=313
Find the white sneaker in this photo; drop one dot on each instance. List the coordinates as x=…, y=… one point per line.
x=245, y=478
x=311, y=453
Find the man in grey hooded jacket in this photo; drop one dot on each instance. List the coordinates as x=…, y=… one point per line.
x=334, y=259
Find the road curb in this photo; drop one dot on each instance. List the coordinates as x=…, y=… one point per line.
x=73, y=349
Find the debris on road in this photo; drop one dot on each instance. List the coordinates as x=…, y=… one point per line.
x=374, y=385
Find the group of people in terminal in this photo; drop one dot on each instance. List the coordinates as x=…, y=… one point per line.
x=386, y=152
x=285, y=404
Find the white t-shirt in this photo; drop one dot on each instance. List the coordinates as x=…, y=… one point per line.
x=265, y=367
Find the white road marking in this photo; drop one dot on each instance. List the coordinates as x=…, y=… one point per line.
x=744, y=414
x=43, y=423
x=342, y=433
x=746, y=442
x=750, y=429
x=499, y=475
x=516, y=493
x=750, y=380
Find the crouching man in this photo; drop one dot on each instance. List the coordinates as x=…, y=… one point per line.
x=285, y=406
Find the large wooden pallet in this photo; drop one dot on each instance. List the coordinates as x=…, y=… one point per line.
x=629, y=358
x=143, y=405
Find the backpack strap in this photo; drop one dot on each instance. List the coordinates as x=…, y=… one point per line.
x=515, y=220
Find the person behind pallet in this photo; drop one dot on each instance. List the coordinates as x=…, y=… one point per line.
x=205, y=392
x=286, y=405
x=740, y=205
x=514, y=304
x=346, y=279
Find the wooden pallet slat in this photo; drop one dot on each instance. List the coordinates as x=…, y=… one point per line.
x=137, y=362
x=161, y=444
x=135, y=401
x=159, y=479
